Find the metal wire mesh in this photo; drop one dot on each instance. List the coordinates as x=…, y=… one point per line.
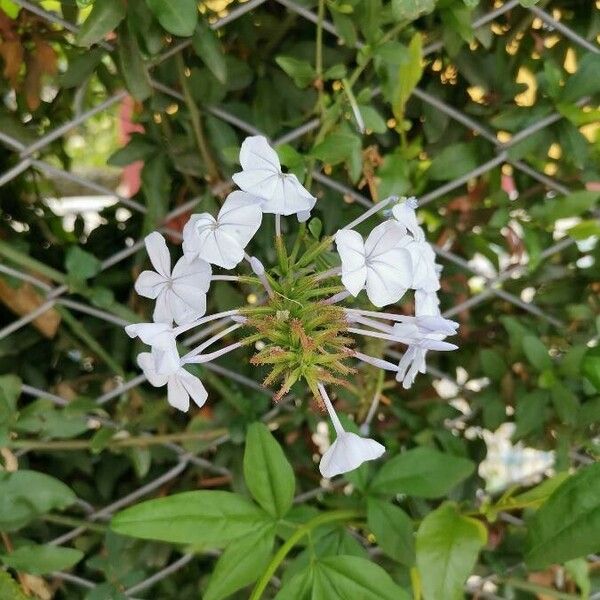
x=27, y=155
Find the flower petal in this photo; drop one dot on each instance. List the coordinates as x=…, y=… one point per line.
x=383, y=238
x=187, y=304
x=191, y=234
x=424, y=268
x=153, y=334
x=194, y=274
x=177, y=395
x=193, y=386
x=351, y=249
x=145, y=361
x=162, y=309
x=158, y=253
x=406, y=216
x=347, y=453
x=289, y=197
x=388, y=276
x=426, y=303
x=256, y=153
x=240, y=217
x=149, y=284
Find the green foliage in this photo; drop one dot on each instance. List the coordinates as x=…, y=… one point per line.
x=178, y=17
x=25, y=495
x=40, y=560
x=447, y=547
x=567, y=526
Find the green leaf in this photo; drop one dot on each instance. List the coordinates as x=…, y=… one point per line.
x=448, y=544
x=537, y=495
x=585, y=81
x=138, y=148
x=567, y=526
x=104, y=18
x=411, y=9
x=40, y=560
x=341, y=578
x=566, y=403
x=579, y=570
x=410, y=72
x=392, y=529
x=373, y=120
x=536, y=353
x=422, y=472
x=10, y=589
x=81, y=66
x=268, y=474
x=493, y=364
x=132, y=65
x=302, y=72
x=241, y=564
x=208, y=48
x=19, y=506
x=202, y=518
x=10, y=8
x=155, y=187
x=178, y=17
x=10, y=390
x=453, y=161
x=571, y=205
x=590, y=366
x=337, y=147
x=81, y=265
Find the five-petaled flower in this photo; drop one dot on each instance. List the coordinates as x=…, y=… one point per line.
x=380, y=263
x=280, y=193
x=181, y=294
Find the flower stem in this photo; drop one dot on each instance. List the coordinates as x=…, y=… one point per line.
x=337, y=425
x=284, y=550
x=297, y=243
x=196, y=118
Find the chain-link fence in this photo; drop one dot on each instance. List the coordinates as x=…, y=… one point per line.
x=30, y=157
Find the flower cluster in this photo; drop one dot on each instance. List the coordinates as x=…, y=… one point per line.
x=303, y=329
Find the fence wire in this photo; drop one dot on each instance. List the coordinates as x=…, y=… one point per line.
x=27, y=155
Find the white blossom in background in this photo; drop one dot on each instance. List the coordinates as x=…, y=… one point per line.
x=380, y=263
x=280, y=193
x=395, y=257
x=222, y=241
x=181, y=294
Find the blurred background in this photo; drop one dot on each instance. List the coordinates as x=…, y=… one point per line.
x=121, y=118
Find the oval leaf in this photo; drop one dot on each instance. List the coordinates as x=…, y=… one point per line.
x=40, y=560
x=422, y=472
x=447, y=547
x=103, y=19
x=178, y=17
x=200, y=518
x=393, y=530
x=269, y=476
x=568, y=524
x=19, y=506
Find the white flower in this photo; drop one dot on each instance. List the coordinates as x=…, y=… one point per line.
x=426, y=274
x=180, y=295
x=161, y=335
x=349, y=450
x=426, y=303
x=380, y=263
x=162, y=367
x=281, y=193
x=221, y=241
x=347, y=453
x=405, y=215
x=421, y=333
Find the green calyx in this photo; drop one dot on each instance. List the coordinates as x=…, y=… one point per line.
x=303, y=337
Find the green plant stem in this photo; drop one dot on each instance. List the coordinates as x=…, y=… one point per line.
x=297, y=243
x=284, y=550
x=527, y=586
x=129, y=442
x=72, y=522
x=319, y=55
x=23, y=260
x=196, y=117
x=282, y=256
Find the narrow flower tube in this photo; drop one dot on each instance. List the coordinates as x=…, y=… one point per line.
x=349, y=450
